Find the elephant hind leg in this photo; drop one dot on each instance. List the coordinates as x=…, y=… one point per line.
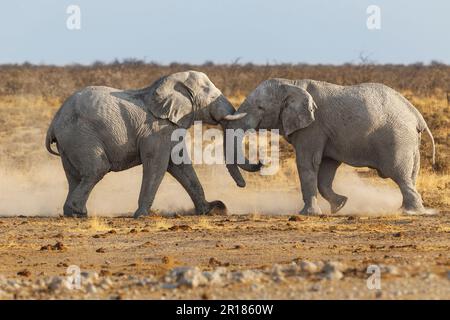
x=73, y=179
x=80, y=195
x=405, y=177
x=412, y=201
x=82, y=175
x=327, y=172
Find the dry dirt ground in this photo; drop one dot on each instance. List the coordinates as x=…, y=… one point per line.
x=228, y=257
x=238, y=256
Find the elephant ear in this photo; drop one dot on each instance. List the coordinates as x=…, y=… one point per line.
x=172, y=99
x=297, y=110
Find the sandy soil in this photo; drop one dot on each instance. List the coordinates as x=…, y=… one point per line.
x=257, y=256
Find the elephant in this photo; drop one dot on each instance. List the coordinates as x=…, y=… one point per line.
x=365, y=125
x=101, y=129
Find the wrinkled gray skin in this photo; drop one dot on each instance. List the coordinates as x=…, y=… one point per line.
x=366, y=125
x=102, y=129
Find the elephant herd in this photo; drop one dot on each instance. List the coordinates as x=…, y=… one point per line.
x=102, y=129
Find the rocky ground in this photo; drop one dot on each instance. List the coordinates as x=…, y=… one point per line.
x=228, y=257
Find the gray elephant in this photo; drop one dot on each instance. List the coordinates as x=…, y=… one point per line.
x=102, y=129
x=366, y=125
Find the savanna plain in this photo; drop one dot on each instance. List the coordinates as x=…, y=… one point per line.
x=261, y=250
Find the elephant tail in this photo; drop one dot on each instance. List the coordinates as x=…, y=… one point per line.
x=49, y=139
x=424, y=127
x=432, y=142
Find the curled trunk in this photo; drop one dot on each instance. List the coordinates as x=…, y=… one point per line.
x=232, y=163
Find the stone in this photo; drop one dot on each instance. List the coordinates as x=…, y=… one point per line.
x=106, y=283
x=190, y=277
x=89, y=276
x=389, y=269
x=308, y=266
x=332, y=266
x=332, y=270
x=90, y=288
x=217, y=276
x=59, y=284
x=247, y=276
x=333, y=275
x=277, y=273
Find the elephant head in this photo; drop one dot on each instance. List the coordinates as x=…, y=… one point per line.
x=274, y=104
x=184, y=97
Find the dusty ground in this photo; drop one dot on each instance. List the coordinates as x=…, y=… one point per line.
x=239, y=256
x=257, y=256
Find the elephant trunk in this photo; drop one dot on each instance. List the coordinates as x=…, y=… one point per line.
x=232, y=167
x=232, y=156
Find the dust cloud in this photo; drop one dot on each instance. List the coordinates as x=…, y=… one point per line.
x=42, y=189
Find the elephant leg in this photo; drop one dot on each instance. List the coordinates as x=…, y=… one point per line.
x=155, y=164
x=327, y=172
x=403, y=170
x=308, y=169
x=412, y=201
x=186, y=176
x=404, y=176
x=80, y=195
x=73, y=181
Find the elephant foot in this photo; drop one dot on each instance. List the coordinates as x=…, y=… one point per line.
x=217, y=208
x=311, y=211
x=338, y=203
x=72, y=213
x=419, y=211
x=140, y=213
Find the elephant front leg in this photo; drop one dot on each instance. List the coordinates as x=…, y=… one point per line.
x=308, y=168
x=186, y=176
x=154, y=168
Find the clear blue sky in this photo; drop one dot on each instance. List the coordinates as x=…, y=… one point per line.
x=259, y=31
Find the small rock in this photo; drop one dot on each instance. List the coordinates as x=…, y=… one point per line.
x=104, y=273
x=106, y=283
x=58, y=246
x=100, y=250
x=190, y=277
x=182, y=227
x=12, y=284
x=58, y=284
x=62, y=264
x=217, y=276
x=90, y=288
x=168, y=260
x=308, y=266
x=333, y=275
x=24, y=273
x=247, y=276
x=213, y=262
x=389, y=269
x=332, y=266
x=332, y=270
x=277, y=273
x=89, y=277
